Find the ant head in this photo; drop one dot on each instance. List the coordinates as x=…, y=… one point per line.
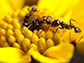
x=34, y=9
x=77, y=30
x=48, y=21
x=55, y=23
x=26, y=24
x=33, y=22
x=38, y=20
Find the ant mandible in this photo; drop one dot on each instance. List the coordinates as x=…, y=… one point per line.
x=64, y=25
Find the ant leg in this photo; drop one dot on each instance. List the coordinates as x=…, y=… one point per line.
x=57, y=29
x=63, y=40
x=28, y=9
x=70, y=36
x=72, y=26
x=60, y=27
x=72, y=20
x=80, y=39
x=29, y=26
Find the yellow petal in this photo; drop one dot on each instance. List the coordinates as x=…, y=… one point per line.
x=67, y=5
x=5, y=8
x=79, y=37
x=65, y=37
x=16, y=4
x=78, y=11
x=62, y=52
x=58, y=6
x=81, y=19
x=81, y=24
x=37, y=56
x=10, y=55
x=67, y=16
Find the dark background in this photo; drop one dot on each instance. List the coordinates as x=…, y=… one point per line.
x=77, y=58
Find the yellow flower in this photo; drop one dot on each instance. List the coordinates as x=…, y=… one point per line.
x=42, y=45
x=77, y=12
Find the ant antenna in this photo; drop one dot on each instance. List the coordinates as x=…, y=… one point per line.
x=57, y=29
x=29, y=26
x=49, y=16
x=72, y=20
x=70, y=36
x=44, y=17
x=80, y=39
x=63, y=40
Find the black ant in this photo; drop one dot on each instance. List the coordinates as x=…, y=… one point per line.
x=27, y=16
x=37, y=24
x=64, y=25
x=33, y=9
